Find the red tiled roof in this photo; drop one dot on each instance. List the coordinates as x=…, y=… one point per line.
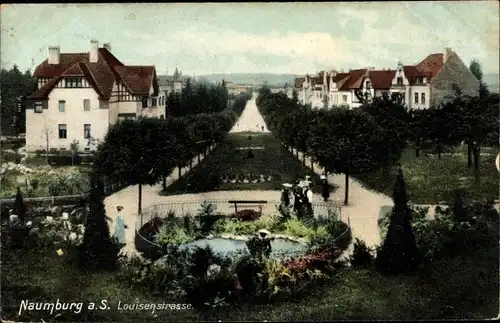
x=355, y=80
x=318, y=80
x=137, y=78
x=299, y=81
x=42, y=92
x=101, y=75
x=412, y=72
x=431, y=64
x=74, y=70
x=382, y=79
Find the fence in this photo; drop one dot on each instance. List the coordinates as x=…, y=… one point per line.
x=180, y=208
x=64, y=199
x=223, y=206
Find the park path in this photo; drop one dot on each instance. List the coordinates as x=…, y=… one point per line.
x=364, y=205
x=363, y=210
x=128, y=197
x=250, y=120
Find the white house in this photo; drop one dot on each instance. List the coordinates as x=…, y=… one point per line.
x=80, y=95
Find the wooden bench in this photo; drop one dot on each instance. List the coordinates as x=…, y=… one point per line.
x=236, y=202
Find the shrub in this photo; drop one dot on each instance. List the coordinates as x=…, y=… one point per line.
x=362, y=255
x=172, y=235
x=248, y=215
x=98, y=250
x=399, y=252
x=20, y=206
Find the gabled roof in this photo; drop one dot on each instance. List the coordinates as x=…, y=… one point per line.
x=412, y=72
x=431, y=64
x=355, y=80
x=101, y=75
x=299, y=81
x=138, y=79
x=381, y=79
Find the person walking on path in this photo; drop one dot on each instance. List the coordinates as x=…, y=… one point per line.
x=308, y=196
x=325, y=188
x=120, y=226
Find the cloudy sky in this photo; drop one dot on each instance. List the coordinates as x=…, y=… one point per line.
x=295, y=38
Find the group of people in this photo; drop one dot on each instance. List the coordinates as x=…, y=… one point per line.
x=299, y=195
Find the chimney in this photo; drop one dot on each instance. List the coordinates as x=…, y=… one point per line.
x=94, y=51
x=107, y=46
x=446, y=54
x=54, y=55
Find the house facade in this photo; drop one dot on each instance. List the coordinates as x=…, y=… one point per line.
x=80, y=95
x=172, y=83
x=431, y=82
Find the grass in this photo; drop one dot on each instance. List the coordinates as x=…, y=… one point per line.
x=228, y=160
x=431, y=181
x=465, y=286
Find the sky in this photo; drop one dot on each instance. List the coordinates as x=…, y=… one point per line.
x=282, y=38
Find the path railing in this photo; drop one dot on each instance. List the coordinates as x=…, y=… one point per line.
x=224, y=206
x=221, y=206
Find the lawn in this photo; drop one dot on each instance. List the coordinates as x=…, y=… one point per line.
x=431, y=181
x=465, y=286
x=231, y=159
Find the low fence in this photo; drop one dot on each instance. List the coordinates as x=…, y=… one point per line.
x=181, y=208
x=223, y=206
x=62, y=199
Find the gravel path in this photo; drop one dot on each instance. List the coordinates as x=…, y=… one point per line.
x=363, y=210
x=250, y=120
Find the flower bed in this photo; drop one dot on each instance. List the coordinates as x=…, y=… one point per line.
x=41, y=181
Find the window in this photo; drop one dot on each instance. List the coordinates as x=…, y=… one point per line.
x=400, y=80
x=454, y=86
x=73, y=82
x=368, y=85
x=38, y=106
x=144, y=101
x=422, y=98
x=86, y=131
x=344, y=98
x=416, y=97
x=63, y=131
x=153, y=102
x=86, y=104
x=62, y=106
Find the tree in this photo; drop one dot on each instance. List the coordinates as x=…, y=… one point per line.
x=98, y=250
x=348, y=142
x=128, y=153
x=399, y=252
x=20, y=206
x=74, y=151
x=15, y=88
x=46, y=134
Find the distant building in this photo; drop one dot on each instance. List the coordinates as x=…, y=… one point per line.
x=430, y=82
x=236, y=89
x=79, y=95
x=172, y=83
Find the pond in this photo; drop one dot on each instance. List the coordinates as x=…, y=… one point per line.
x=280, y=247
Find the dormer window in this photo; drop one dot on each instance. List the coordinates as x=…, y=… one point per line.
x=400, y=80
x=368, y=85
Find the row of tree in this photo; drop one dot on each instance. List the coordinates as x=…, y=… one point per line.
x=15, y=88
x=197, y=98
x=147, y=150
x=340, y=140
x=375, y=135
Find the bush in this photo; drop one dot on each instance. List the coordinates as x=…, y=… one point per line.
x=362, y=255
x=248, y=215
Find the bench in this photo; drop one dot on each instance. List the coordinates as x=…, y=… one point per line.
x=236, y=202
